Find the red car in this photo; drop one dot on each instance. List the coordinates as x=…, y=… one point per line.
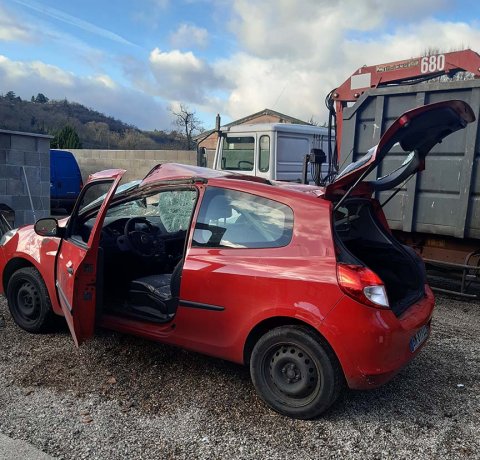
x=306, y=285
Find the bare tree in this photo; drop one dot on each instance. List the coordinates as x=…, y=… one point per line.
x=187, y=121
x=314, y=122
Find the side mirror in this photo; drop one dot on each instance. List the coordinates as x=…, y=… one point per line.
x=46, y=227
x=201, y=157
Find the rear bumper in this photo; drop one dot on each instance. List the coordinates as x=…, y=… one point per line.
x=372, y=344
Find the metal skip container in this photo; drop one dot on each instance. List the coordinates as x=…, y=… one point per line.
x=438, y=210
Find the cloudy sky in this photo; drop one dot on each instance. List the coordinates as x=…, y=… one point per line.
x=134, y=59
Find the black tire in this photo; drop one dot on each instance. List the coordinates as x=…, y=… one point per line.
x=294, y=373
x=29, y=302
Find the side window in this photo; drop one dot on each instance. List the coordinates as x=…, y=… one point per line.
x=264, y=154
x=232, y=219
x=95, y=191
x=238, y=153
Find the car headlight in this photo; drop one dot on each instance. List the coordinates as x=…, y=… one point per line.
x=8, y=236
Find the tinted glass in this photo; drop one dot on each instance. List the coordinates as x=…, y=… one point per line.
x=120, y=189
x=264, y=154
x=95, y=192
x=234, y=219
x=238, y=153
x=91, y=193
x=357, y=164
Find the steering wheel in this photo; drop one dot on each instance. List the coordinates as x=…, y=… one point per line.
x=144, y=243
x=249, y=163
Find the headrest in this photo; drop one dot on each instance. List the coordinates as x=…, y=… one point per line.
x=219, y=208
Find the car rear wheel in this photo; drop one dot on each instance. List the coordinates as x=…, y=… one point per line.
x=29, y=302
x=295, y=373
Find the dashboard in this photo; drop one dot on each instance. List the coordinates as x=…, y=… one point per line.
x=151, y=240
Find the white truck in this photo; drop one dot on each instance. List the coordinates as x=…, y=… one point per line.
x=274, y=151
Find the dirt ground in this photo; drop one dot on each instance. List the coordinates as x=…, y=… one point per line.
x=119, y=396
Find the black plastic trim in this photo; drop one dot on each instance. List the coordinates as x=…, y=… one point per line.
x=202, y=306
x=64, y=298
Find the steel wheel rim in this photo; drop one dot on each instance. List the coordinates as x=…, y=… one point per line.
x=291, y=374
x=28, y=301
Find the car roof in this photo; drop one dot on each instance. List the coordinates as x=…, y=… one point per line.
x=176, y=173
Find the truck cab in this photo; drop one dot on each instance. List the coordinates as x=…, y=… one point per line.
x=274, y=151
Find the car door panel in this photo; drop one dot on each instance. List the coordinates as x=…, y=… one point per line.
x=76, y=272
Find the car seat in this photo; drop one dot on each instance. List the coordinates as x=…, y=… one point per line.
x=156, y=295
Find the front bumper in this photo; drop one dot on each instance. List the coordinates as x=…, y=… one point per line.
x=372, y=344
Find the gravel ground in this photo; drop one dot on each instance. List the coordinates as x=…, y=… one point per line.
x=119, y=396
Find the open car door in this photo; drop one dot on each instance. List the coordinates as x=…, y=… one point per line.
x=416, y=132
x=77, y=258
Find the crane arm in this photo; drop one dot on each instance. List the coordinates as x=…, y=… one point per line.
x=399, y=72
x=410, y=70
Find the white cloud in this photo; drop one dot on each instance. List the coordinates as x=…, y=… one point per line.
x=96, y=91
x=288, y=54
x=19, y=71
x=182, y=76
x=39, y=33
x=11, y=29
x=188, y=36
x=413, y=40
x=293, y=52
x=295, y=29
x=299, y=29
x=274, y=84
x=104, y=80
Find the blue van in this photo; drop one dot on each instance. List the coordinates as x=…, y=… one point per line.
x=65, y=180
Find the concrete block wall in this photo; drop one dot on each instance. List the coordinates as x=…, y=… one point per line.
x=137, y=163
x=25, y=175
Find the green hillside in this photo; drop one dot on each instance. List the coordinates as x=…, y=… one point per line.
x=96, y=130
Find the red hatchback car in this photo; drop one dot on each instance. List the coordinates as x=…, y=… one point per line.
x=306, y=285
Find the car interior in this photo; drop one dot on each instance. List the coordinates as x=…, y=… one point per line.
x=361, y=237
x=141, y=253
x=144, y=235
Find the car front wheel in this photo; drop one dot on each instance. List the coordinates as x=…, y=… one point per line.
x=28, y=301
x=295, y=373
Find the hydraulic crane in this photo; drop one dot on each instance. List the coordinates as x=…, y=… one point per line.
x=404, y=72
x=440, y=225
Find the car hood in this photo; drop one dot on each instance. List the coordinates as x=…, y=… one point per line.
x=416, y=132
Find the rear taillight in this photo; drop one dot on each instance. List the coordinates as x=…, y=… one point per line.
x=362, y=284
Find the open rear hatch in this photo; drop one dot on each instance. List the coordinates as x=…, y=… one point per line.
x=361, y=233
x=416, y=132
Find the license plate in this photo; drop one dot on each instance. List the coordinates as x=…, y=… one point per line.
x=419, y=338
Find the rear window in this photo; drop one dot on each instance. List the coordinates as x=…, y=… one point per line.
x=357, y=164
x=233, y=219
